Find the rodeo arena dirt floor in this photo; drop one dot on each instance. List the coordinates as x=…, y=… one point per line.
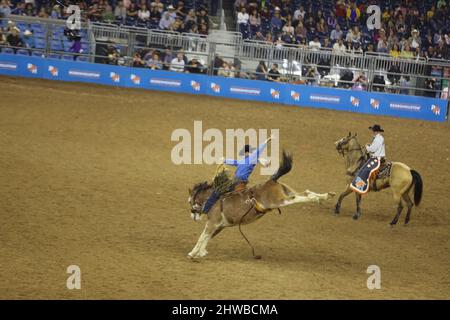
x=86, y=179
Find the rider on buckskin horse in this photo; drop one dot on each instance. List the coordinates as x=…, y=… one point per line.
x=244, y=169
x=376, y=161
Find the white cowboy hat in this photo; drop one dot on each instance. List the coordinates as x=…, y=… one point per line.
x=27, y=33
x=170, y=7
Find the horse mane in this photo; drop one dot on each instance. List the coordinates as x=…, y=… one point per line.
x=201, y=186
x=285, y=166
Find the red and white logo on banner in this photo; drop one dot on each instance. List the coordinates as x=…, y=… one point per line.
x=32, y=68
x=114, y=77
x=195, y=85
x=135, y=79
x=53, y=71
x=215, y=87
x=295, y=96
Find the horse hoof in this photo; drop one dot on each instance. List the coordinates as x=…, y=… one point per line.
x=258, y=257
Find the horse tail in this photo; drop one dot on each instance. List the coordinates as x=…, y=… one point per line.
x=418, y=187
x=285, y=166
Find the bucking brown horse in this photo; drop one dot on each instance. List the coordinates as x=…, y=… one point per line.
x=244, y=207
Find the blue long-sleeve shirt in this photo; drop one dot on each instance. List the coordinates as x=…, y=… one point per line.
x=244, y=167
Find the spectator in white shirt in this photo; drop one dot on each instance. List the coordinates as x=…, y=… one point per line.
x=177, y=64
x=299, y=13
x=339, y=47
x=143, y=13
x=243, y=17
x=315, y=44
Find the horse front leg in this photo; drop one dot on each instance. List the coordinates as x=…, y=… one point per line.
x=337, y=209
x=195, y=251
x=358, y=206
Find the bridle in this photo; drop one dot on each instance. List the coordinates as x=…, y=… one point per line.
x=194, y=197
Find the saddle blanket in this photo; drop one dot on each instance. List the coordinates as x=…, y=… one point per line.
x=361, y=182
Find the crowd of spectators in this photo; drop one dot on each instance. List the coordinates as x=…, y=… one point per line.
x=182, y=16
x=409, y=28
x=157, y=59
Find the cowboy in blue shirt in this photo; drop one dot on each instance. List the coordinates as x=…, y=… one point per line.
x=244, y=169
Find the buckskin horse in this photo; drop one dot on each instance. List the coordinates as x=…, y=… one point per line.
x=244, y=207
x=401, y=179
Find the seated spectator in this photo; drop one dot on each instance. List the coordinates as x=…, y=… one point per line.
x=155, y=15
x=43, y=13
x=107, y=14
x=56, y=12
x=312, y=76
x=190, y=20
x=261, y=71
x=274, y=74
x=5, y=8
x=327, y=43
x=354, y=35
x=94, y=13
x=154, y=63
x=406, y=52
x=255, y=22
x=29, y=9
x=226, y=70
x=180, y=10
x=171, y=11
x=360, y=83
x=138, y=62
x=120, y=12
x=166, y=21
x=276, y=22
x=336, y=33
x=177, y=64
x=299, y=14
x=194, y=66
x=144, y=13
x=415, y=40
x=113, y=55
x=331, y=21
x=339, y=47
x=315, y=44
x=178, y=25
x=167, y=60
x=2, y=37
x=132, y=12
x=14, y=40
x=353, y=14
x=395, y=52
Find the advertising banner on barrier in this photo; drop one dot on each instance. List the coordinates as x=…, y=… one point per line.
x=298, y=95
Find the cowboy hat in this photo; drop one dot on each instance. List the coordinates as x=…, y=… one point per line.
x=247, y=148
x=170, y=7
x=27, y=33
x=376, y=128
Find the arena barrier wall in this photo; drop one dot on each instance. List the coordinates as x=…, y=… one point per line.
x=395, y=105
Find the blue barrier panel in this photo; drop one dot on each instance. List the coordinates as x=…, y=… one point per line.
x=298, y=95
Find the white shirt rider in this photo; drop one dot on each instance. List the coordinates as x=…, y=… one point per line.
x=377, y=148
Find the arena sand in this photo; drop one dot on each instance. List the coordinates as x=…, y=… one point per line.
x=86, y=179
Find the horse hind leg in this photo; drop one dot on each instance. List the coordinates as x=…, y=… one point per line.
x=409, y=204
x=399, y=210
